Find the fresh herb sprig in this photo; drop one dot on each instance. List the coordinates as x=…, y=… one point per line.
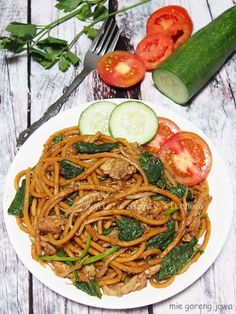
x=48, y=50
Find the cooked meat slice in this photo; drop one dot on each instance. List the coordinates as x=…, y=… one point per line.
x=137, y=282
x=60, y=268
x=53, y=224
x=48, y=248
x=117, y=168
x=85, y=202
x=142, y=205
x=151, y=271
x=88, y=272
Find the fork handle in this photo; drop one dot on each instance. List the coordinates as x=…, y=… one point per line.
x=54, y=108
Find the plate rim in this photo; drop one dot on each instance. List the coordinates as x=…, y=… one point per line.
x=113, y=304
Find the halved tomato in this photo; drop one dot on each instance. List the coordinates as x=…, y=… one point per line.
x=154, y=49
x=172, y=20
x=121, y=69
x=188, y=156
x=166, y=128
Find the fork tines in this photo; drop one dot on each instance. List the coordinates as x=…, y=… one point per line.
x=107, y=37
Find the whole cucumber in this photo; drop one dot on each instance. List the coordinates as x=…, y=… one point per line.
x=193, y=64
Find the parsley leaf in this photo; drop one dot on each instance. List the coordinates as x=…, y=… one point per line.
x=91, y=32
x=99, y=11
x=50, y=44
x=63, y=64
x=22, y=30
x=72, y=58
x=43, y=58
x=68, y=5
x=84, y=12
x=13, y=44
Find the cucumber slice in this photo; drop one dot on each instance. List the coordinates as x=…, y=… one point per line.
x=95, y=118
x=134, y=121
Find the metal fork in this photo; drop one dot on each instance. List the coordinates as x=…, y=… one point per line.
x=105, y=41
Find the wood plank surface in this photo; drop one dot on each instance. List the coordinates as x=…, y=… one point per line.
x=213, y=111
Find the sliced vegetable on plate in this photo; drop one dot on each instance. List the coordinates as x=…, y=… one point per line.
x=166, y=128
x=188, y=156
x=95, y=118
x=134, y=121
x=171, y=20
x=192, y=65
x=121, y=69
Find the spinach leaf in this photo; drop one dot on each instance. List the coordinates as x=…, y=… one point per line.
x=57, y=139
x=70, y=170
x=129, y=229
x=160, y=197
x=162, y=241
x=173, y=262
x=17, y=204
x=180, y=191
x=152, y=166
x=90, y=288
x=91, y=148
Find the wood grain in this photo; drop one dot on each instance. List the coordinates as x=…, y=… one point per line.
x=26, y=84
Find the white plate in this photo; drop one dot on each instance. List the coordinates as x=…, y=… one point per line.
x=220, y=213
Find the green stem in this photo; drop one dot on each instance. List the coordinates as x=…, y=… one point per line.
x=98, y=257
x=106, y=17
x=66, y=258
x=172, y=210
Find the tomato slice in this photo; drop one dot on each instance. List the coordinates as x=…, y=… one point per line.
x=154, y=49
x=166, y=128
x=172, y=20
x=121, y=69
x=188, y=156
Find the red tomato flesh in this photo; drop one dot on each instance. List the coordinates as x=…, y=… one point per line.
x=188, y=156
x=154, y=49
x=121, y=69
x=172, y=20
x=166, y=128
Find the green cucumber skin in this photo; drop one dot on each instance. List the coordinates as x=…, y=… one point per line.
x=204, y=53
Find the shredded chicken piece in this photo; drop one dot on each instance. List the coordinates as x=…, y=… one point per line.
x=141, y=206
x=117, y=168
x=137, y=282
x=151, y=271
x=53, y=224
x=87, y=273
x=60, y=268
x=48, y=248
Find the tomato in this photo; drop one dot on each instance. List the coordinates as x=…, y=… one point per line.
x=121, y=69
x=154, y=49
x=166, y=128
x=188, y=156
x=172, y=20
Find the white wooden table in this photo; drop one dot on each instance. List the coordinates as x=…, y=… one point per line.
x=26, y=90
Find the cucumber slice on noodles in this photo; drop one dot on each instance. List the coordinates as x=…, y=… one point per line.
x=134, y=121
x=95, y=118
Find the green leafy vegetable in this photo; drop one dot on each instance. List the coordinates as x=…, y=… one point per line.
x=68, y=5
x=129, y=229
x=173, y=262
x=57, y=139
x=180, y=191
x=91, y=288
x=107, y=231
x=172, y=210
x=70, y=170
x=70, y=56
x=91, y=32
x=17, y=204
x=91, y=148
x=22, y=30
x=162, y=240
x=13, y=44
x=99, y=11
x=152, y=166
x=84, y=12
